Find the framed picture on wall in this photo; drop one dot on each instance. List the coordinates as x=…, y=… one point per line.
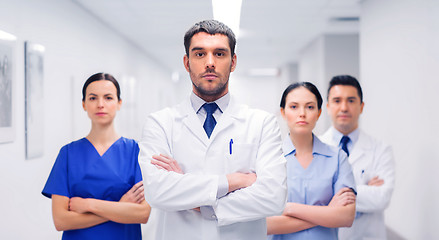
x=7, y=131
x=34, y=96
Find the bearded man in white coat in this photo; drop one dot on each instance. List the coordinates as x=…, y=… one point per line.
x=212, y=168
x=372, y=161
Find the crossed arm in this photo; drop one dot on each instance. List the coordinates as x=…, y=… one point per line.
x=376, y=195
x=296, y=217
x=77, y=213
x=235, y=180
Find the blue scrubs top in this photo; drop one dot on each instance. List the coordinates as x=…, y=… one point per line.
x=79, y=171
x=328, y=172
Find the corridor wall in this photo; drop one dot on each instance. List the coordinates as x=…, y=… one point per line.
x=399, y=62
x=77, y=45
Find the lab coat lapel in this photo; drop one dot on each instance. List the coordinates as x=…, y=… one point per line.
x=362, y=146
x=328, y=137
x=227, y=119
x=192, y=122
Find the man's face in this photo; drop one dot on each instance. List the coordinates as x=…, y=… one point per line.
x=344, y=107
x=209, y=64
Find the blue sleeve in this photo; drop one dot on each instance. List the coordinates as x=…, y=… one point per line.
x=137, y=171
x=344, y=176
x=57, y=183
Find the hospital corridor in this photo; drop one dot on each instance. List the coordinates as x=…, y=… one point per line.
x=49, y=48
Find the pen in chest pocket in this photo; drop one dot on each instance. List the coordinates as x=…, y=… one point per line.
x=230, y=146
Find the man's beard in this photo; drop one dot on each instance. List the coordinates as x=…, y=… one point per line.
x=213, y=92
x=219, y=90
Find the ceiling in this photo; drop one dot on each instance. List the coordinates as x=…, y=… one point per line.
x=272, y=33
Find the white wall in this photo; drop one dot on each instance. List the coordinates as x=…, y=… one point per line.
x=290, y=74
x=77, y=45
x=399, y=72
x=328, y=55
x=312, y=69
x=312, y=62
x=264, y=92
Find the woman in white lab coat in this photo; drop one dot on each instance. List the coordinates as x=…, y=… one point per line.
x=321, y=186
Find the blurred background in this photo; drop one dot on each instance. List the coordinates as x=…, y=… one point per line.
x=391, y=46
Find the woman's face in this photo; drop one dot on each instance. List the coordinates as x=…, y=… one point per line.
x=101, y=103
x=301, y=112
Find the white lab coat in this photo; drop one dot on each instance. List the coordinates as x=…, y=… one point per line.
x=256, y=147
x=368, y=157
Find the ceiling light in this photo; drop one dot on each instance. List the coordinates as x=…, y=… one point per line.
x=7, y=36
x=228, y=12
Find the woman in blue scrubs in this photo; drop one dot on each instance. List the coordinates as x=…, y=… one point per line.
x=320, y=181
x=96, y=184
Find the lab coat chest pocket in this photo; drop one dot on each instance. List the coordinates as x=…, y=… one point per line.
x=362, y=169
x=241, y=157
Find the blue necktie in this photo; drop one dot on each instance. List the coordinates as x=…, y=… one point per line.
x=209, y=123
x=344, y=144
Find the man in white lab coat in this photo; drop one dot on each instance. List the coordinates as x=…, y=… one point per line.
x=212, y=168
x=372, y=161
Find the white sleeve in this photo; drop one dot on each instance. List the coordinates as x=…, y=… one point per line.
x=377, y=198
x=267, y=196
x=165, y=190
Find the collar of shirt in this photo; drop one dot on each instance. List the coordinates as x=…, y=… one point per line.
x=318, y=147
x=354, y=135
x=197, y=103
